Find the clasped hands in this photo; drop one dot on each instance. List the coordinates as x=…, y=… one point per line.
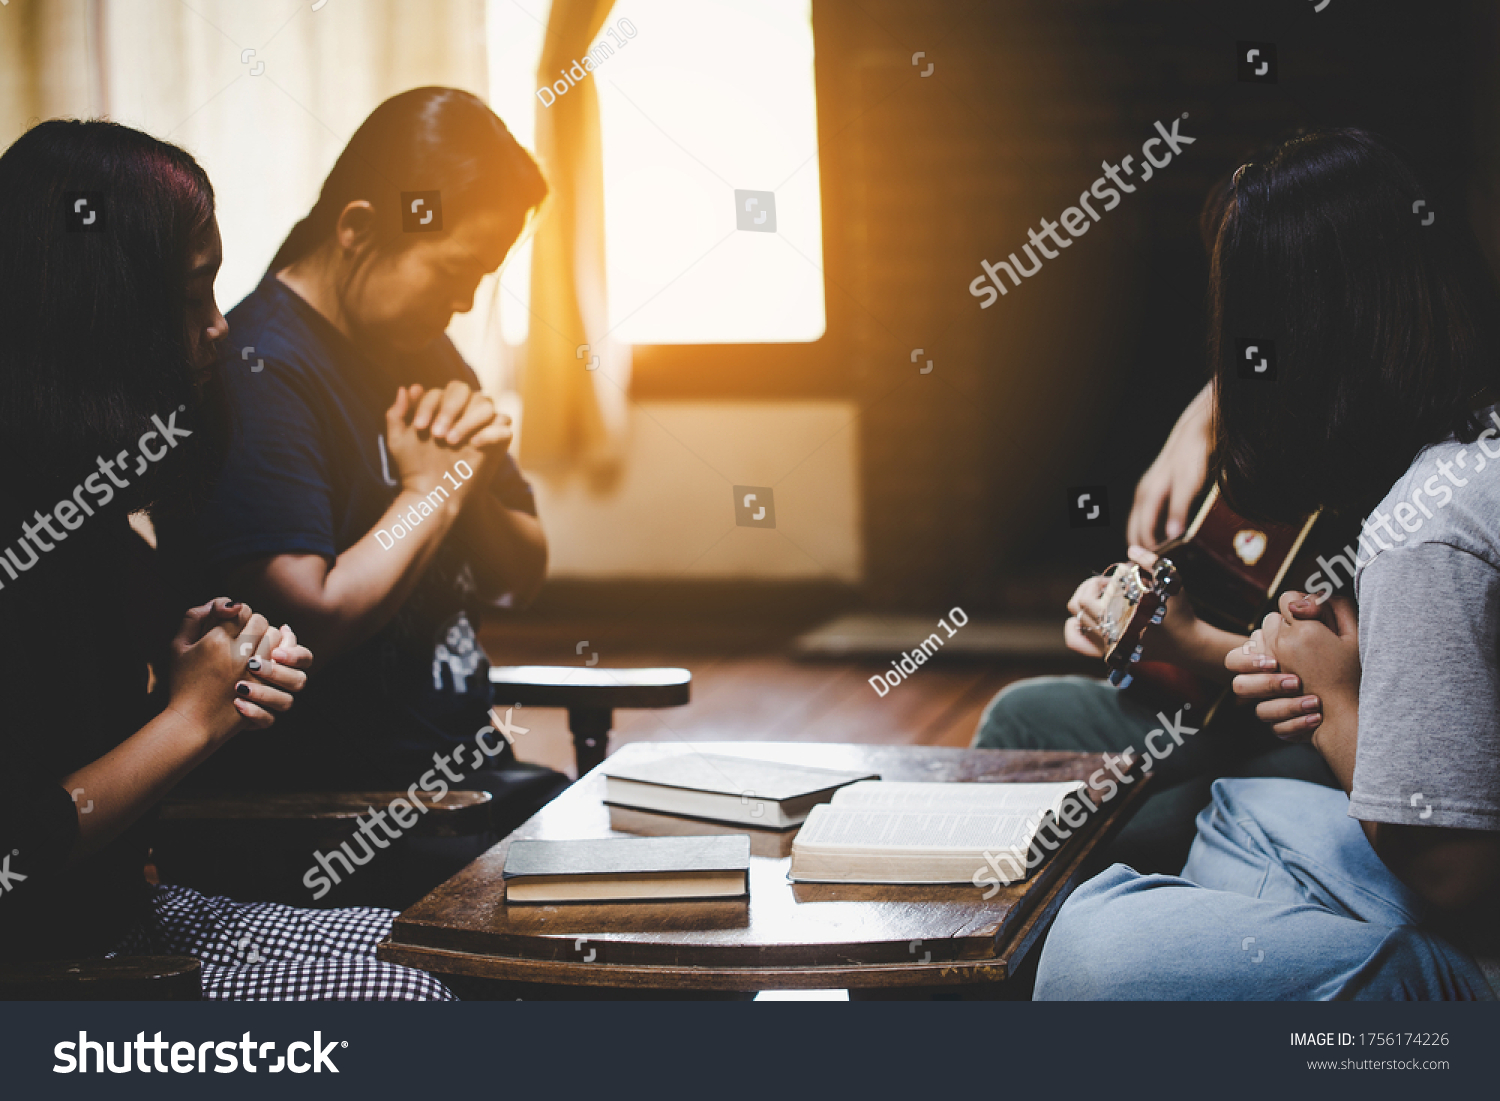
x=222, y=654
x=429, y=431
x=1304, y=655
x=1302, y=647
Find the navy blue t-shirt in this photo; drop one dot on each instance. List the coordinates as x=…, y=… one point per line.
x=308, y=473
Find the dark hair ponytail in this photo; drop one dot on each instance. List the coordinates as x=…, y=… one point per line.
x=426, y=139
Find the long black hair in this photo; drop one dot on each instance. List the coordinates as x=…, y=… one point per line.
x=425, y=139
x=1382, y=316
x=94, y=248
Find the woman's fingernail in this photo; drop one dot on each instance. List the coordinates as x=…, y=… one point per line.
x=1289, y=683
x=253, y=664
x=242, y=689
x=231, y=605
x=1312, y=720
x=279, y=654
x=1265, y=662
x=1309, y=703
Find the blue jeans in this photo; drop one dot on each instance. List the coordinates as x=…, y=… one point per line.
x=1088, y=716
x=1282, y=897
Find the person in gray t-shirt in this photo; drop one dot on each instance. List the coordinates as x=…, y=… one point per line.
x=1387, y=886
x=1428, y=746
x=1287, y=872
x=1429, y=599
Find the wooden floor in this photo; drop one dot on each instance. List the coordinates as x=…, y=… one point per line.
x=746, y=687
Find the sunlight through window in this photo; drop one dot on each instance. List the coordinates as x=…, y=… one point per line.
x=699, y=99
x=515, y=30
x=711, y=97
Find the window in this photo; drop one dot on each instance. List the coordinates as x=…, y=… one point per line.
x=514, y=30
x=711, y=97
x=698, y=99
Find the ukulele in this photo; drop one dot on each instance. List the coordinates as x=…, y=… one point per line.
x=1234, y=569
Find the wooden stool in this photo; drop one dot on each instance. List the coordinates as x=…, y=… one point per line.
x=590, y=695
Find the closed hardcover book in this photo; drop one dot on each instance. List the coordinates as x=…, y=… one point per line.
x=740, y=790
x=628, y=869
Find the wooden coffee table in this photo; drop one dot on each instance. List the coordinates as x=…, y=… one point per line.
x=785, y=935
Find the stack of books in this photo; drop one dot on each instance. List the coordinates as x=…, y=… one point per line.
x=854, y=828
x=708, y=863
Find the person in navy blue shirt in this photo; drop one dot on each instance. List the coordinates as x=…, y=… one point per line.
x=369, y=495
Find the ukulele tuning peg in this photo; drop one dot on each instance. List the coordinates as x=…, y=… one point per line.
x=1167, y=581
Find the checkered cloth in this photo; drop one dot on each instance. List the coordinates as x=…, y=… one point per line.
x=266, y=952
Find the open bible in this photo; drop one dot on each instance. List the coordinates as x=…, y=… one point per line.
x=894, y=832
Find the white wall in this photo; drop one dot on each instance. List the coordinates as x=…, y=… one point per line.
x=672, y=514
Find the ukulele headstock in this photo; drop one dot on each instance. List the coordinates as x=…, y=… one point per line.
x=1135, y=599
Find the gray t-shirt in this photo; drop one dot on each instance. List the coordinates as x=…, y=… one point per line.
x=1428, y=590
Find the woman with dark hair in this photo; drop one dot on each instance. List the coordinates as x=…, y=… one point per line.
x=369, y=495
x=110, y=407
x=1387, y=886
x=1087, y=714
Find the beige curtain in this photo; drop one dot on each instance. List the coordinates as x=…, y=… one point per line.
x=49, y=63
x=574, y=415
x=264, y=95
